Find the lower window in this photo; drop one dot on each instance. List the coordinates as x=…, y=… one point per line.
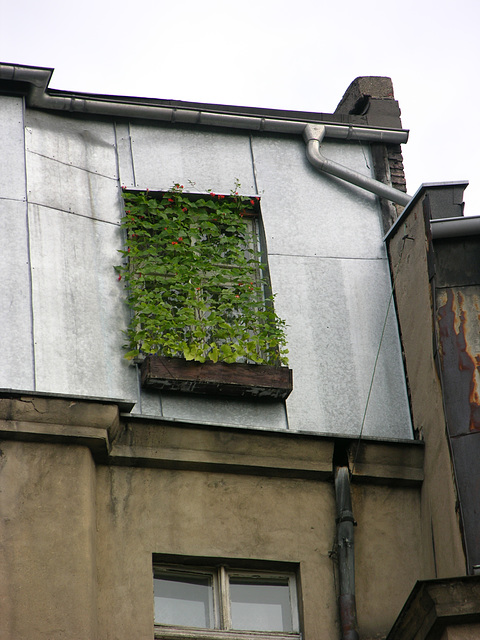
x=222, y=602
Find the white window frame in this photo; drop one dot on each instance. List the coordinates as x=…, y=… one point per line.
x=220, y=576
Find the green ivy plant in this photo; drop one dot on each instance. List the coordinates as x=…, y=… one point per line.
x=195, y=284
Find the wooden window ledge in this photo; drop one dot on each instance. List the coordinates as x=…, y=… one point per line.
x=252, y=381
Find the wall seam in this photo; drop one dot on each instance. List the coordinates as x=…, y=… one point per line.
x=29, y=247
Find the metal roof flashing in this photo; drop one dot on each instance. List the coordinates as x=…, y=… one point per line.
x=456, y=188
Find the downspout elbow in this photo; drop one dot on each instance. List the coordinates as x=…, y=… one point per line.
x=313, y=136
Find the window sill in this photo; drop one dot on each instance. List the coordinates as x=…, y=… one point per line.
x=170, y=633
x=252, y=381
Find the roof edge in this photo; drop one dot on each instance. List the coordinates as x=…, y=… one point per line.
x=33, y=83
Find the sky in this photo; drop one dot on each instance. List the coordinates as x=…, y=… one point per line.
x=299, y=55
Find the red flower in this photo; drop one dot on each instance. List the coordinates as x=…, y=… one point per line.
x=171, y=200
x=252, y=202
x=174, y=242
x=211, y=193
x=128, y=249
x=119, y=277
x=180, y=239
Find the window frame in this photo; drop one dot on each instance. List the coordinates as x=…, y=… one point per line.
x=220, y=574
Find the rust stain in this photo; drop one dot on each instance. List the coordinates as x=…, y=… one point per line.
x=453, y=333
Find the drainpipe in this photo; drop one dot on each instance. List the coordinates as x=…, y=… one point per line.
x=345, y=554
x=313, y=135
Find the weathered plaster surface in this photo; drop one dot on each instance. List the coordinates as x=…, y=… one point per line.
x=47, y=553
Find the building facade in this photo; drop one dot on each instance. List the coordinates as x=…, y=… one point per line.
x=131, y=498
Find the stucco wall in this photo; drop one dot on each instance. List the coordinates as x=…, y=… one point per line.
x=145, y=511
x=80, y=524
x=389, y=553
x=47, y=550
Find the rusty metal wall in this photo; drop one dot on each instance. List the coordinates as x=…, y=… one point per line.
x=457, y=292
x=326, y=256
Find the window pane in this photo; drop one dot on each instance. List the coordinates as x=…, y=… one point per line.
x=184, y=600
x=260, y=605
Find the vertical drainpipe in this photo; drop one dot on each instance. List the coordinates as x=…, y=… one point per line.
x=345, y=554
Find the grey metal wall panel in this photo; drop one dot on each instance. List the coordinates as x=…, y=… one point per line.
x=67, y=188
x=210, y=160
x=326, y=259
x=225, y=411
x=329, y=270
x=12, y=145
x=335, y=311
x=16, y=346
x=310, y=213
x=149, y=403
x=78, y=306
x=124, y=154
x=85, y=144
x=72, y=165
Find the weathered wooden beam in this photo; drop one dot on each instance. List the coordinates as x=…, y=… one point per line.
x=253, y=381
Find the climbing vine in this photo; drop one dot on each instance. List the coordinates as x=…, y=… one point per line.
x=195, y=284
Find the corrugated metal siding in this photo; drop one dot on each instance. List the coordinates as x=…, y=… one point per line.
x=326, y=259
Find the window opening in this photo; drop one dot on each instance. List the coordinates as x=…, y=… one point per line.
x=197, y=285
x=224, y=600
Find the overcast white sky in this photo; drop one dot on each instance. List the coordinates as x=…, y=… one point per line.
x=298, y=55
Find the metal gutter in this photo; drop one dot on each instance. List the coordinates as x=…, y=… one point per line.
x=37, y=79
x=38, y=96
x=455, y=227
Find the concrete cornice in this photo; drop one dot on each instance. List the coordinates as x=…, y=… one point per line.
x=437, y=605
x=129, y=440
